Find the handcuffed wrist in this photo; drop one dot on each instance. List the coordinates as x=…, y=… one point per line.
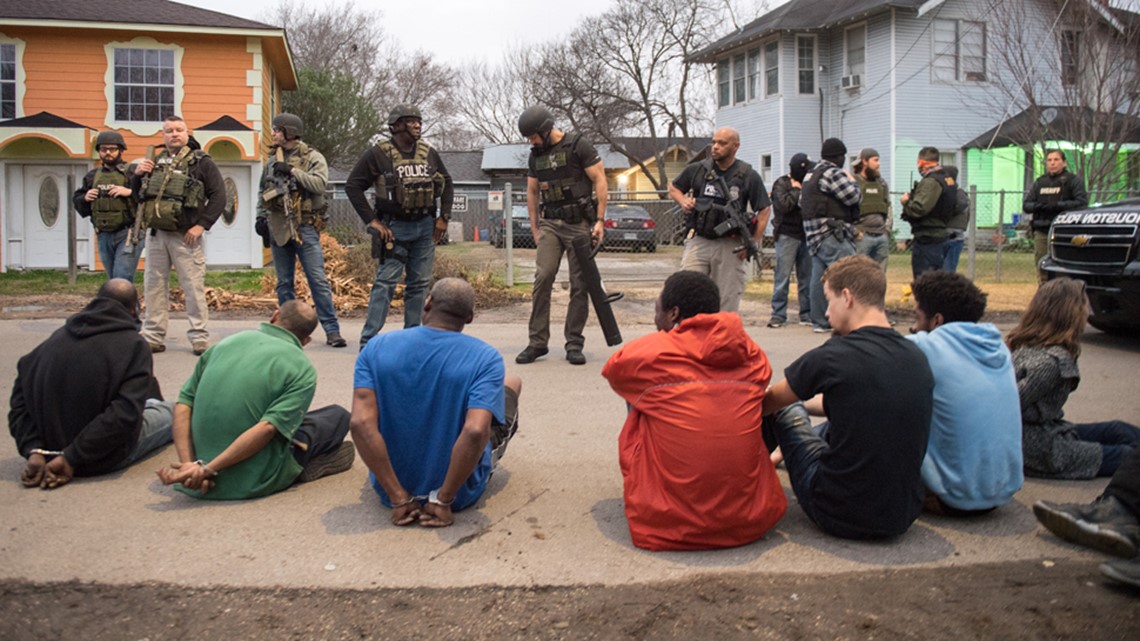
x=434, y=499
x=211, y=472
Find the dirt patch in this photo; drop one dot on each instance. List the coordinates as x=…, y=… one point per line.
x=1024, y=600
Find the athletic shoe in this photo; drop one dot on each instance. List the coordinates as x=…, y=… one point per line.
x=776, y=323
x=335, y=339
x=334, y=462
x=576, y=357
x=1127, y=572
x=805, y=321
x=200, y=347
x=821, y=330
x=1104, y=525
x=530, y=354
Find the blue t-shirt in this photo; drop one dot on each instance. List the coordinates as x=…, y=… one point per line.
x=425, y=380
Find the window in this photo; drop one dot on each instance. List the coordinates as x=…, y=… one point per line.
x=1070, y=57
x=754, y=74
x=144, y=84
x=805, y=63
x=772, y=68
x=722, y=80
x=766, y=168
x=738, y=94
x=856, y=51
x=959, y=51
x=7, y=81
x=947, y=158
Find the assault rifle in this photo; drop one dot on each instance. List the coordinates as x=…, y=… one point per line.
x=138, y=228
x=285, y=186
x=735, y=220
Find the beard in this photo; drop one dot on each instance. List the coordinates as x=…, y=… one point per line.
x=870, y=174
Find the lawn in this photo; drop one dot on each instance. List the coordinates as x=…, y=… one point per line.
x=49, y=281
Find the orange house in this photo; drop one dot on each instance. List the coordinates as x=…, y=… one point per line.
x=70, y=69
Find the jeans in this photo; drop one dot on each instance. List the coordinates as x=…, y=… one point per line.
x=791, y=252
x=803, y=446
x=953, y=253
x=156, y=431
x=313, y=263
x=875, y=246
x=118, y=261
x=321, y=431
x=1125, y=483
x=412, y=256
x=925, y=257
x=1117, y=440
x=829, y=251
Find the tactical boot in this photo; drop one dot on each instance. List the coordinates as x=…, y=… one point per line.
x=200, y=347
x=335, y=339
x=530, y=354
x=1104, y=525
x=155, y=348
x=1127, y=572
x=576, y=357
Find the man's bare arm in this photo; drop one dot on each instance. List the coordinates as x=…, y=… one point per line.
x=465, y=456
x=374, y=452
x=778, y=397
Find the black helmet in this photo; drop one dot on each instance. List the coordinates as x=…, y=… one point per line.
x=535, y=120
x=403, y=111
x=290, y=124
x=110, y=138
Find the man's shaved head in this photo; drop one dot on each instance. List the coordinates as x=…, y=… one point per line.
x=122, y=290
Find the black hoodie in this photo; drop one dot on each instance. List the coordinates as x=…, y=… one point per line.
x=83, y=390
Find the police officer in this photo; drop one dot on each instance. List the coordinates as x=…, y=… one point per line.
x=566, y=195
x=872, y=232
x=928, y=208
x=723, y=181
x=408, y=176
x=105, y=198
x=183, y=195
x=1057, y=191
x=290, y=214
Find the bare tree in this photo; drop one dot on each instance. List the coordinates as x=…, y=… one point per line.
x=492, y=97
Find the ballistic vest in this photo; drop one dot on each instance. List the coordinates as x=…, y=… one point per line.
x=874, y=207
x=416, y=182
x=297, y=159
x=708, y=189
x=816, y=204
x=563, y=185
x=1051, y=190
x=933, y=225
x=171, y=196
x=108, y=213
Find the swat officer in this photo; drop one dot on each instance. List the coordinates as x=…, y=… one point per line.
x=723, y=181
x=408, y=176
x=566, y=195
x=872, y=235
x=928, y=208
x=182, y=196
x=105, y=198
x=1057, y=191
x=290, y=215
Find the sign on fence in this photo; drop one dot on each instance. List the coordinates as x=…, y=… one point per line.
x=459, y=204
x=494, y=201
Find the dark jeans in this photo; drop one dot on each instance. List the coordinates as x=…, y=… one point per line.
x=791, y=255
x=926, y=257
x=321, y=432
x=829, y=251
x=412, y=257
x=118, y=261
x=312, y=259
x=1117, y=439
x=953, y=253
x=1125, y=483
x=803, y=446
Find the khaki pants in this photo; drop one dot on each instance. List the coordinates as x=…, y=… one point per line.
x=555, y=240
x=163, y=250
x=716, y=259
x=1040, y=250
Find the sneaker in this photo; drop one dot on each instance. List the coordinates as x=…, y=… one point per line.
x=821, y=330
x=776, y=323
x=1127, y=572
x=1103, y=525
x=335, y=462
x=200, y=347
x=576, y=357
x=156, y=347
x=805, y=321
x=335, y=339
x=530, y=354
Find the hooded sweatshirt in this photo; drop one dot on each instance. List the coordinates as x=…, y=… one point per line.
x=697, y=474
x=974, y=459
x=83, y=390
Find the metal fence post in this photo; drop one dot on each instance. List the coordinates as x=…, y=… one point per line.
x=509, y=232
x=1000, y=235
x=972, y=233
x=72, y=233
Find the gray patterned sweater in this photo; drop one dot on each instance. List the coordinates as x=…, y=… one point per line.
x=1045, y=378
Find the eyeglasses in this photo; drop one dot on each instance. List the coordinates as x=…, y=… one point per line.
x=108, y=149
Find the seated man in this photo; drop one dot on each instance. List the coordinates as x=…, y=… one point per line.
x=428, y=411
x=697, y=474
x=857, y=475
x=973, y=462
x=85, y=401
x=240, y=426
x=1110, y=524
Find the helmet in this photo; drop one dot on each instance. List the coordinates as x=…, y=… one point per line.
x=290, y=124
x=110, y=138
x=535, y=120
x=403, y=111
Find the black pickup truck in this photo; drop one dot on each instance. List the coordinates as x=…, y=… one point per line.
x=1101, y=246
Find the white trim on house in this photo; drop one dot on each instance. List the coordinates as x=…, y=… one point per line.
x=143, y=128
x=21, y=75
x=847, y=71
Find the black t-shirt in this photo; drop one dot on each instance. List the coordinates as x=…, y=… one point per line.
x=752, y=194
x=585, y=155
x=877, y=389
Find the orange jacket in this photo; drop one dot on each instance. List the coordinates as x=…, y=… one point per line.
x=697, y=474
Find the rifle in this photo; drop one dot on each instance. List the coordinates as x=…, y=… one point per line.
x=282, y=185
x=737, y=222
x=137, y=228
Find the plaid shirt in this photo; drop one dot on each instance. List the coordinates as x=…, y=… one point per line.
x=833, y=181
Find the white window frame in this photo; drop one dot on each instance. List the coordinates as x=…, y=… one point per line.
x=766, y=169
x=140, y=128
x=740, y=78
x=754, y=71
x=956, y=53
x=847, y=70
x=724, y=84
x=770, y=66
x=21, y=77
x=813, y=67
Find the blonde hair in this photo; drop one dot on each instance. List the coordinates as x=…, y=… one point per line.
x=1055, y=316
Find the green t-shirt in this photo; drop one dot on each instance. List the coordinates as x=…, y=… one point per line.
x=254, y=376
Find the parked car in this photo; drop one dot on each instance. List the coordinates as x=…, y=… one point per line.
x=521, y=228
x=1101, y=246
x=629, y=226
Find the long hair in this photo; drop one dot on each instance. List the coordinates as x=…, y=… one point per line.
x=1056, y=316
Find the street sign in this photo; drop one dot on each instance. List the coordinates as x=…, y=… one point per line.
x=459, y=203
x=494, y=201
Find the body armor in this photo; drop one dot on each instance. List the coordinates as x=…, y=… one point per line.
x=309, y=206
x=816, y=204
x=416, y=183
x=712, y=203
x=170, y=194
x=109, y=214
x=563, y=185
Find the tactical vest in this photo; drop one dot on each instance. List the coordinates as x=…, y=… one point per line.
x=416, y=183
x=563, y=186
x=297, y=159
x=874, y=207
x=932, y=227
x=1051, y=190
x=816, y=204
x=171, y=196
x=711, y=202
x=109, y=214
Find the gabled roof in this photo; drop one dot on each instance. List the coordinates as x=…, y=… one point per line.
x=163, y=12
x=43, y=120
x=1044, y=124
x=646, y=148
x=225, y=123
x=512, y=158
x=465, y=166
x=801, y=15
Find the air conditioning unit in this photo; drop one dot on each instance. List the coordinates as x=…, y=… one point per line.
x=850, y=82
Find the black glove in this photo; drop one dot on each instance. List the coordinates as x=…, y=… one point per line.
x=282, y=168
x=262, y=229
